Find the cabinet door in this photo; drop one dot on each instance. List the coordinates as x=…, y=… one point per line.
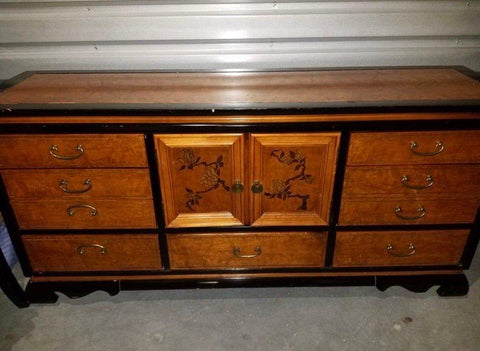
x=296, y=172
x=196, y=176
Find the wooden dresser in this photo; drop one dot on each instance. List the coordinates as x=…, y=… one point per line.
x=114, y=181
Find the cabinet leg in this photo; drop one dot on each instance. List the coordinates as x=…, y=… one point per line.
x=455, y=285
x=46, y=292
x=450, y=284
x=40, y=293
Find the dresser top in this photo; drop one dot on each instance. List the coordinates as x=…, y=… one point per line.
x=244, y=90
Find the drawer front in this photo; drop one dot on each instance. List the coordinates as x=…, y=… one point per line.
x=72, y=151
x=246, y=250
x=62, y=253
x=66, y=214
x=384, y=212
x=460, y=180
x=68, y=183
x=390, y=148
x=394, y=248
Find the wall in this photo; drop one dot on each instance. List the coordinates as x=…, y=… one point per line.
x=39, y=35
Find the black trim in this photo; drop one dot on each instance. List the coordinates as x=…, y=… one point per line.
x=157, y=198
x=192, y=128
x=13, y=229
x=337, y=197
x=255, y=270
x=39, y=110
x=10, y=286
x=472, y=243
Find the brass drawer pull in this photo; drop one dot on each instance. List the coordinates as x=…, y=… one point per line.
x=411, y=250
x=257, y=187
x=257, y=250
x=71, y=209
x=81, y=249
x=78, y=149
x=438, y=148
x=398, y=213
x=428, y=180
x=64, y=186
x=237, y=187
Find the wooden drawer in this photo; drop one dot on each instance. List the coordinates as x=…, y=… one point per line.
x=120, y=213
x=383, y=211
x=79, y=150
x=246, y=250
x=458, y=180
x=67, y=183
x=392, y=148
x=394, y=248
x=61, y=253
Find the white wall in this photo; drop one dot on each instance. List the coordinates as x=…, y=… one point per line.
x=228, y=34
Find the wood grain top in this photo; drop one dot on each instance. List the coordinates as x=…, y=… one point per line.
x=342, y=87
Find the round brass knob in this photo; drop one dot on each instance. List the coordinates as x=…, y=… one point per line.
x=257, y=187
x=237, y=187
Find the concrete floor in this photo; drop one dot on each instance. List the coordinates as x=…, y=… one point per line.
x=355, y=318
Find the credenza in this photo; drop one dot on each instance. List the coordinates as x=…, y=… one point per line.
x=143, y=180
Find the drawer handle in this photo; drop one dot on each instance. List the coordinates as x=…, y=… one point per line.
x=81, y=249
x=64, y=186
x=79, y=149
x=438, y=148
x=428, y=180
x=411, y=250
x=257, y=187
x=398, y=213
x=257, y=250
x=71, y=209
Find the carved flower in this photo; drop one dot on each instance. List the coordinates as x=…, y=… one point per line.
x=278, y=186
x=210, y=177
x=188, y=159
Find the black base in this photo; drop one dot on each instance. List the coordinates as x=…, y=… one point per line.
x=45, y=292
x=450, y=284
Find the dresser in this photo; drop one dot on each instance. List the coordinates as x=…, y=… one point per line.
x=147, y=180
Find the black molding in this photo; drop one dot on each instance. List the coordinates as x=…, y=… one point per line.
x=337, y=196
x=10, y=286
x=472, y=243
x=157, y=198
x=192, y=128
x=13, y=229
x=233, y=271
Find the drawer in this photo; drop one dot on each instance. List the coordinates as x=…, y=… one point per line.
x=460, y=180
x=395, y=248
x=121, y=213
x=246, y=250
x=72, y=151
x=67, y=183
x=383, y=211
x=392, y=148
x=62, y=253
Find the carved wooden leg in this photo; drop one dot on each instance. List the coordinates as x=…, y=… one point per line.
x=39, y=292
x=10, y=286
x=455, y=285
x=450, y=284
